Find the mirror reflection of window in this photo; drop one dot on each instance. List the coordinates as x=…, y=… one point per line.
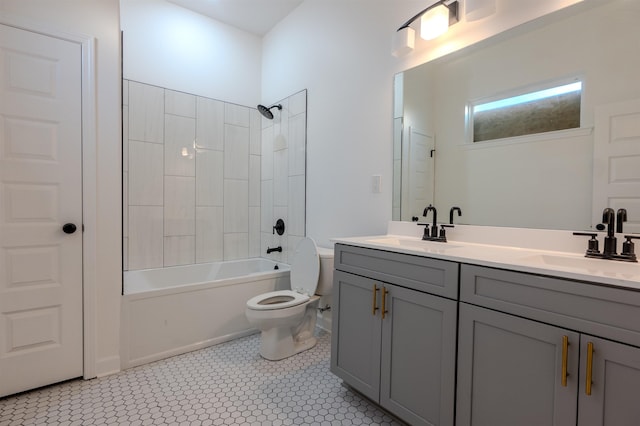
x=540, y=111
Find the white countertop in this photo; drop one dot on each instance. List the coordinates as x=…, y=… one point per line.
x=562, y=264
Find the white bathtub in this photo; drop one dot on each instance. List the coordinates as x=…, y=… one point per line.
x=169, y=311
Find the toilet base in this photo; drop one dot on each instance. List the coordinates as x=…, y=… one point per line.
x=282, y=342
x=274, y=346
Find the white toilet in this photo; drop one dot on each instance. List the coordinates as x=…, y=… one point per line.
x=287, y=318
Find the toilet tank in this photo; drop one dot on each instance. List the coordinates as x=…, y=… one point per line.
x=325, y=281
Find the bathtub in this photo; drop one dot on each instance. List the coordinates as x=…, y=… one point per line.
x=170, y=311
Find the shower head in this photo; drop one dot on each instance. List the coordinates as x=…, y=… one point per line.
x=266, y=112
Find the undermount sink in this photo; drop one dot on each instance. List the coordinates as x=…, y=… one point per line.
x=414, y=243
x=584, y=264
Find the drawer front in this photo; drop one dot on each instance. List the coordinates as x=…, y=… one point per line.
x=612, y=313
x=432, y=276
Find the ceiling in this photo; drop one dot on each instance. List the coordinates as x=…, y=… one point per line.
x=254, y=16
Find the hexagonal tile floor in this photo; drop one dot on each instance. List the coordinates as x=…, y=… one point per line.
x=220, y=385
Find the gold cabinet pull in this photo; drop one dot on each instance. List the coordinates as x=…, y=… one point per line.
x=589, y=368
x=384, y=301
x=565, y=355
x=374, y=308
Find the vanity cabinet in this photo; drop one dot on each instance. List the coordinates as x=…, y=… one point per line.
x=392, y=340
x=536, y=370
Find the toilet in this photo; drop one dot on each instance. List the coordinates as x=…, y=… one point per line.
x=287, y=318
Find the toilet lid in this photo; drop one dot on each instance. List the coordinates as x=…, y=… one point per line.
x=305, y=268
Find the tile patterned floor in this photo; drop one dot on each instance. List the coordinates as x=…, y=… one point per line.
x=221, y=385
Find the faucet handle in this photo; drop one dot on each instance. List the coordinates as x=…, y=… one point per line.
x=592, y=247
x=425, y=235
x=628, y=247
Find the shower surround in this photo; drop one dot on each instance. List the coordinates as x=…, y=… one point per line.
x=205, y=180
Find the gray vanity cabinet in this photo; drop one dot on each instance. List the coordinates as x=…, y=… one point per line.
x=614, y=398
x=511, y=364
x=510, y=371
x=356, y=343
x=394, y=343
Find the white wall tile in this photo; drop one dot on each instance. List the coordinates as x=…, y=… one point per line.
x=236, y=114
x=179, y=206
x=179, y=250
x=254, y=180
x=297, y=145
x=281, y=177
x=292, y=243
x=178, y=103
x=209, y=178
x=146, y=112
x=145, y=174
x=267, y=153
x=266, y=204
x=209, y=234
x=179, y=152
x=255, y=133
x=280, y=114
x=281, y=128
x=254, y=231
x=298, y=103
x=296, y=206
x=236, y=152
x=236, y=246
x=210, y=124
x=236, y=206
x=268, y=240
x=145, y=237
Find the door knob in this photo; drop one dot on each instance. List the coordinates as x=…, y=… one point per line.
x=69, y=228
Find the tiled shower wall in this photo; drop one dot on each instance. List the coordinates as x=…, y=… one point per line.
x=283, y=176
x=192, y=178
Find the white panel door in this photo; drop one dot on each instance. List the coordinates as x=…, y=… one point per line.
x=420, y=171
x=40, y=191
x=616, y=162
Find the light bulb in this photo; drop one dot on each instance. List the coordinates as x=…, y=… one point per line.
x=434, y=22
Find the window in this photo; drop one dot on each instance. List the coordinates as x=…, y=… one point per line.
x=548, y=110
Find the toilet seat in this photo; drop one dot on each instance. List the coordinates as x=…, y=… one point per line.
x=276, y=300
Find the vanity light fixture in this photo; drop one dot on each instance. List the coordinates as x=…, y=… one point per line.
x=434, y=21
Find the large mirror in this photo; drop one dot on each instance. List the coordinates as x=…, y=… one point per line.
x=543, y=181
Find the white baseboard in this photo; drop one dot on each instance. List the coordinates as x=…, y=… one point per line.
x=107, y=366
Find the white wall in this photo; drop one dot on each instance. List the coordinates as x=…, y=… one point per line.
x=99, y=19
x=172, y=47
x=341, y=52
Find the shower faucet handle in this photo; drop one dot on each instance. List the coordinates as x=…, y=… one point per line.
x=279, y=227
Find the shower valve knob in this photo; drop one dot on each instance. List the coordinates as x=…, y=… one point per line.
x=279, y=227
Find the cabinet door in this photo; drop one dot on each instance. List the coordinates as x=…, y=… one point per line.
x=418, y=357
x=356, y=332
x=510, y=371
x=615, y=375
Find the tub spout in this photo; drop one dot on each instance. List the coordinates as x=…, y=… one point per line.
x=271, y=250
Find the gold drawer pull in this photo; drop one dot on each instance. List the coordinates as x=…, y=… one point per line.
x=384, y=301
x=589, y=368
x=565, y=355
x=374, y=308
